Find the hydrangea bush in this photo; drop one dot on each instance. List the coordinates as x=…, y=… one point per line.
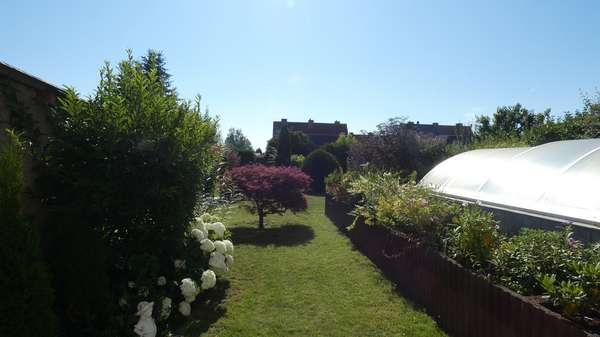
x=207, y=255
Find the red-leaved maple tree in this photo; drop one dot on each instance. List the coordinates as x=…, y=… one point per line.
x=272, y=189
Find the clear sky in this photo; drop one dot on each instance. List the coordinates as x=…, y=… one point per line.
x=356, y=61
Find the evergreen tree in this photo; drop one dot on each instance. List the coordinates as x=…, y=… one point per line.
x=284, y=150
x=236, y=140
x=154, y=60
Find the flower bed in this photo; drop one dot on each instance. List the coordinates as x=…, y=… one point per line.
x=464, y=303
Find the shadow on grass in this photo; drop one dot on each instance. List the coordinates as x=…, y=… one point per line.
x=285, y=235
x=206, y=311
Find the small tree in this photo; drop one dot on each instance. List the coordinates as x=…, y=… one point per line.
x=318, y=165
x=284, y=149
x=272, y=189
x=236, y=140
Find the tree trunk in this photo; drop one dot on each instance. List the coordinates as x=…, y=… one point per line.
x=261, y=220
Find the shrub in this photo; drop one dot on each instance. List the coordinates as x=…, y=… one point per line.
x=389, y=200
x=297, y=160
x=121, y=179
x=247, y=157
x=520, y=259
x=394, y=146
x=340, y=148
x=271, y=189
x=337, y=185
x=318, y=165
x=25, y=286
x=475, y=238
x=580, y=294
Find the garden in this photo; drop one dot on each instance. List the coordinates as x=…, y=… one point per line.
x=153, y=226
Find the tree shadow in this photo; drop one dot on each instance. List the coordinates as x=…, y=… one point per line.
x=204, y=312
x=285, y=235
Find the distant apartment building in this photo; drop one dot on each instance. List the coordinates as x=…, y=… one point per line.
x=318, y=133
x=457, y=133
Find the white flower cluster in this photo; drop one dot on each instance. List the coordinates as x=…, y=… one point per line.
x=221, y=251
x=165, y=309
x=210, y=233
x=189, y=289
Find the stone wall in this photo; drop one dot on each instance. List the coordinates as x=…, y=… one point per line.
x=25, y=102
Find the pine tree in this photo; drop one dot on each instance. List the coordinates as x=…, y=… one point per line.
x=154, y=60
x=284, y=150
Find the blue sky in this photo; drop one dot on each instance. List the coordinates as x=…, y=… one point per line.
x=359, y=62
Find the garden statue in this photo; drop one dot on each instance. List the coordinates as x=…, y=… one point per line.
x=145, y=327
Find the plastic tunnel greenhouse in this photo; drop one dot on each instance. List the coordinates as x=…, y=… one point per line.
x=544, y=186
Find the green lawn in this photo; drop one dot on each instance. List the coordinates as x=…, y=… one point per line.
x=301, y=277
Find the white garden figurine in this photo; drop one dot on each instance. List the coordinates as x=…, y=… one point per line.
x=145, y=327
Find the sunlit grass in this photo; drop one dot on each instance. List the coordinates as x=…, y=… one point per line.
x=301, y=277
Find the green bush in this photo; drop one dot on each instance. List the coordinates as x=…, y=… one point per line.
x=519, y=260
x=340, y=148
x=247, y=157
x=399, y=203
x=121, y=179
x=338, y=184
x=297, y=160
x=474, y=239
x=25, y=286
x=318, y=165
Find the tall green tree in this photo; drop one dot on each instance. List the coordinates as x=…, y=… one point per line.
x=300, y=143
x=284, y=150
x=509, y=121
x=237, y=141
x=154, y=61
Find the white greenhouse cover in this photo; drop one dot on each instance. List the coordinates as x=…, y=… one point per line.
x=559, y=179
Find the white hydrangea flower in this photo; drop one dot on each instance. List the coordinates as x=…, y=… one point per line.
x=229, y=259
x=207, y=245
x=218, y=228
x=131, y=284
x=205, y=217
x=229, y=246
x=189, y=289
x=217, y=260
x=220, y=247
x=165, y=309
x=209, y=279
x=198, y=234
x=122, y=302
x=179, y=264
x=161, y=281
x=185, y=308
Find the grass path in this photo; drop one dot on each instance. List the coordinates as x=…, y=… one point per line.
x=301, y=277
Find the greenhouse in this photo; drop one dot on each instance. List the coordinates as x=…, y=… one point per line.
x=545, y=186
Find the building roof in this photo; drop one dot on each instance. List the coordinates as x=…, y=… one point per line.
x=559, y=180
x=319, y=133
x=16, y=74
